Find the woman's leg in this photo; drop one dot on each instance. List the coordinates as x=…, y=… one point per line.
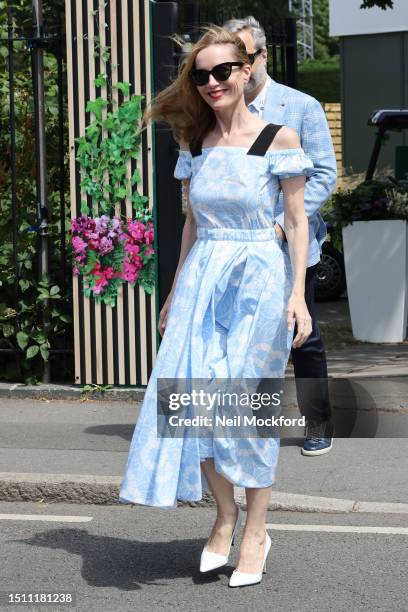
x=251, y=552
x=227, y=510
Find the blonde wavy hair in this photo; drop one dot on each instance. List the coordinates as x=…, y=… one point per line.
x=180, y=105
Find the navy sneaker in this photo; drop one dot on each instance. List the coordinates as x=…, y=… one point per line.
x=319, y=440
x=317, y=446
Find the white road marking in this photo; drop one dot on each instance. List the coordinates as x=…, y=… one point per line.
x=52, y=518
x=339, y=528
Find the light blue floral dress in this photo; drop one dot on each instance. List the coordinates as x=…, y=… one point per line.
x=227, y=320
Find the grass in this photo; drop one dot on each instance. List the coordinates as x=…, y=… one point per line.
x=337, y=337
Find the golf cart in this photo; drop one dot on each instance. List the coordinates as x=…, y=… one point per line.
x=331, y=279
x=386, y=120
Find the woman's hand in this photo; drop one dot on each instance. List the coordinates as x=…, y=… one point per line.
x=297, y=310
x=163, y=314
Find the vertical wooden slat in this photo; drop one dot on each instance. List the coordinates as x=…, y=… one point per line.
x=129, y=212
x=75, y=280
x=97, y=331
x=81, y=105
x=119, y=302
x=152, y=298
x=108, y=331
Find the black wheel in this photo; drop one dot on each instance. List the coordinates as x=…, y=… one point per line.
x=330, y=280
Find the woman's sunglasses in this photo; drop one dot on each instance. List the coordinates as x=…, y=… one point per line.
x=252, y=56
x=221, y=72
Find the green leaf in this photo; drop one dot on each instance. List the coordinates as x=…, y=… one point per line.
x=123, y=87
x=8, y=330
x=31, y=380
x=120, y=193
x=22, y=339
x=40, y=338
x=54, y=290
x=101, y=80
x=32, y=351
x=136, y=178
x=45, y=353
x=24, y=284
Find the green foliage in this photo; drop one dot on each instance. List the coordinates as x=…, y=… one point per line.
x=321, y=79
x=325, y=46
x=383, y=4
x=103, y=152
x=94, y=388
x=22, y=324
x=369, y=201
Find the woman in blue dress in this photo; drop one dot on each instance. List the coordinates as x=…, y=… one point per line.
x=237, y=292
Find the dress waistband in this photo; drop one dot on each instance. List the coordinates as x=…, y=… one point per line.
x=231, y=233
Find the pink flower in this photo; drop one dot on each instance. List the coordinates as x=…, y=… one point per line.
x=149, y=233
x=99, y=285
x=133, y=249
x=79, y=245
x=136, y=230
x=75, y=226
x=93, y=244
x=109, y=272
x=105, y=245
x=130, y=272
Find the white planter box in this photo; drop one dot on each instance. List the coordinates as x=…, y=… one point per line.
x=376, y=262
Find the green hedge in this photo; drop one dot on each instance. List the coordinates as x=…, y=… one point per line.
x=321, y=79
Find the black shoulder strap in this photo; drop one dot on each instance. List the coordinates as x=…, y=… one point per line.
x=195, y=148
x=264, y=140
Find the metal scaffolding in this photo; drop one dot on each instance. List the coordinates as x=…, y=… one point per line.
x=303, y=10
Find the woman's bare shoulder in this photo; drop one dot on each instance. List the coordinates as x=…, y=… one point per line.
x=286, y=138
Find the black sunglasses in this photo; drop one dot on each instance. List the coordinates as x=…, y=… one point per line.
x=221, y=72
x=252, y=56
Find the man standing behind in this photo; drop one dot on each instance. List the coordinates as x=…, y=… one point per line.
x=283, y=105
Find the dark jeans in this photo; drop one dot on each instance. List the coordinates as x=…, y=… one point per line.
x=309, y=362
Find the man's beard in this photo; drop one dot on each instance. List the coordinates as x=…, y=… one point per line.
x=256, y=79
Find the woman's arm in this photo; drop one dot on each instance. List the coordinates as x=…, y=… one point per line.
x=187, y=241
x=297, y=234
x=296, y=227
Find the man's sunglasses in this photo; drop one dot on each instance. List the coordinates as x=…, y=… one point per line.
x=252, y=56
x=221, y=72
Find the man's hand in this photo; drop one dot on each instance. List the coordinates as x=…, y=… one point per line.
x=279, y=232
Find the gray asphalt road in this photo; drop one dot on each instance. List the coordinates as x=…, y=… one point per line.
x=137, y=558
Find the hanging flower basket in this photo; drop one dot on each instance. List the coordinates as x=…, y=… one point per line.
x=109, y=252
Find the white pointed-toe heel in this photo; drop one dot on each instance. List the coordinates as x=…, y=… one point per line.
x=211, y=560
x=239, y=579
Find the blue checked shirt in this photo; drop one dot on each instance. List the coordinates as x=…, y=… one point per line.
x=283, y=105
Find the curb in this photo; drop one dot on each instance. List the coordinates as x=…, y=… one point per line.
x=370, y=391
x=69, y=392
x=104, y=490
